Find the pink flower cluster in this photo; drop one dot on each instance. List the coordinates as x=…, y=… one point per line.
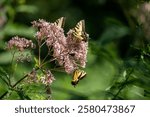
x=48, y=78
x=20, y=43
x=45, y=78
x=68, y=52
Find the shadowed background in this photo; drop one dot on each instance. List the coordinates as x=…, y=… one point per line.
x=118, y=55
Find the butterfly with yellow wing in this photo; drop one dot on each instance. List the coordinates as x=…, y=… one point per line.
x=77, y=76
x=60, y=22
x=79, y=31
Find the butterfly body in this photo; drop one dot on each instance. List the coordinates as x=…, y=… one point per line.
x=79, y=31
x=77, y=76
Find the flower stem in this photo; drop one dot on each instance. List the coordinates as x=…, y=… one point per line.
x=48, y=91
x=39, y=49
x=123, y=84
x=2, y=96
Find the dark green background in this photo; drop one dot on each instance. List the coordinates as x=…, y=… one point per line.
x=118, y=55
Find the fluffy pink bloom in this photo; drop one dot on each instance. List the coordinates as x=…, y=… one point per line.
x=78, y=49
x=41, y=25
x=50, y=32
x=54, y=38
x=69, y=53
x=20, y=43
x=48, y=78
x=69, y=64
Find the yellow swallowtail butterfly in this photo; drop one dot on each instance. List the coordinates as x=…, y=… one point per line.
x=79, y=31
x=60, y=22
x=77, y=76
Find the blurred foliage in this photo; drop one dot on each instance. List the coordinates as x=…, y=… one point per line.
x=118, y=64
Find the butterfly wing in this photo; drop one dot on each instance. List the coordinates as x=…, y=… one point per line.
x=75, y=79
x=60, y=22
x=79, y=31
x=77, y=76
x=82, y=74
